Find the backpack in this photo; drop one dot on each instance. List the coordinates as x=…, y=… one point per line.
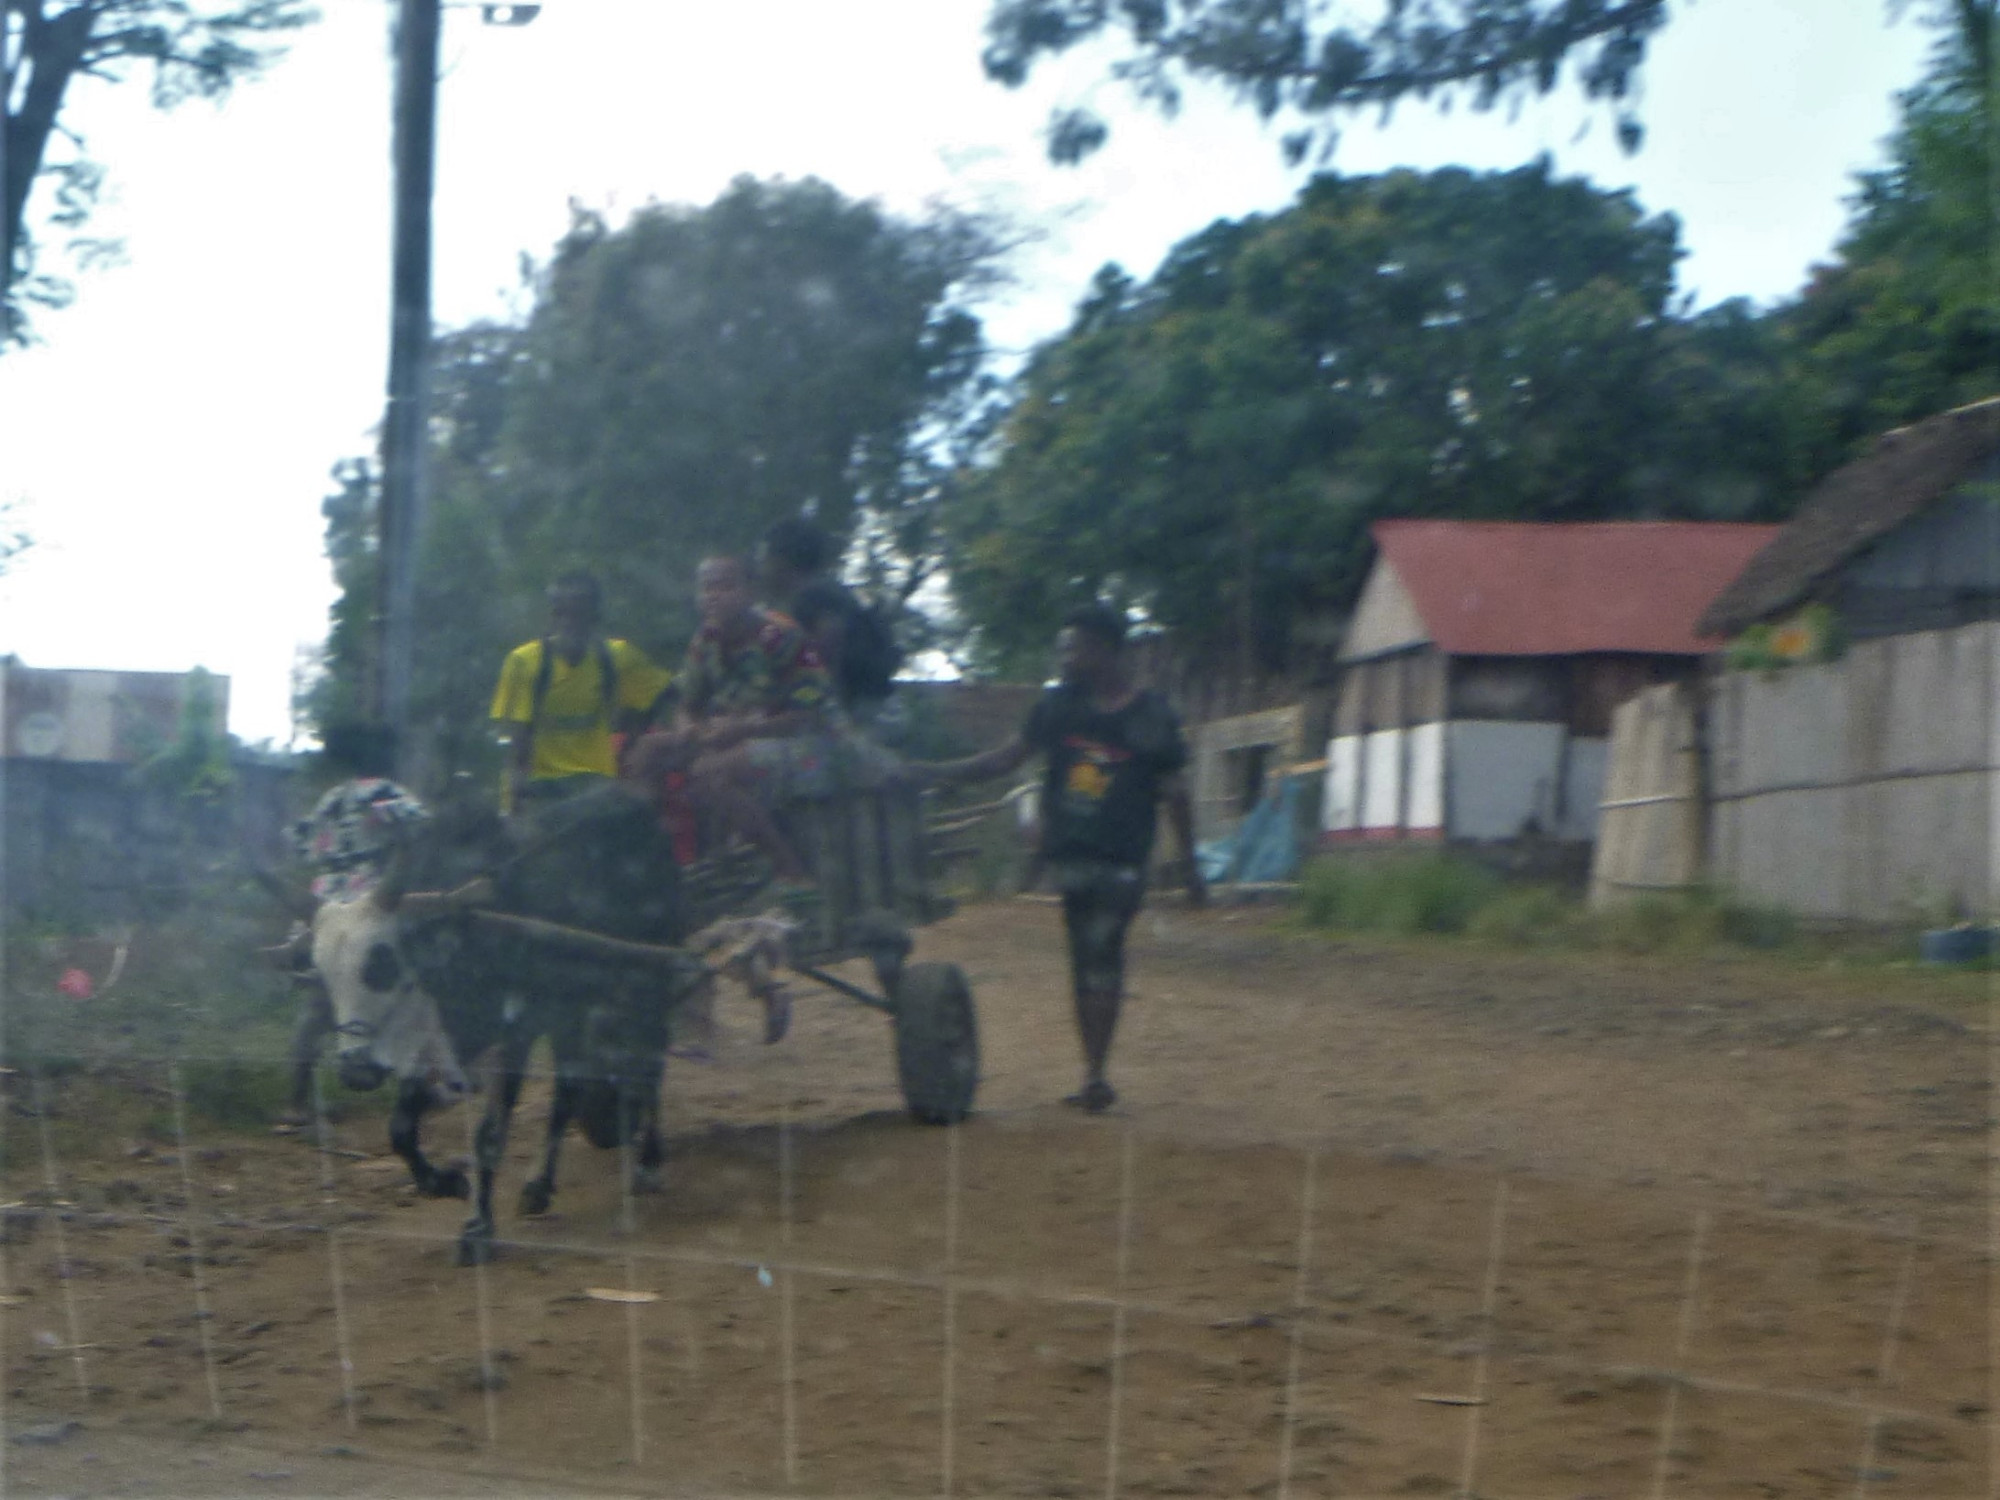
x=607, y=681
x=869, y=654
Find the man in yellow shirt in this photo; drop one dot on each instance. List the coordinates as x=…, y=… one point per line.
x=561, y=699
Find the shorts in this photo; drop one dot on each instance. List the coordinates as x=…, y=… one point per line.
x=802, y=767
x=813, y=767
x=1099, y=901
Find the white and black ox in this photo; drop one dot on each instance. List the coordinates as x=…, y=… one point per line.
x=480, y=941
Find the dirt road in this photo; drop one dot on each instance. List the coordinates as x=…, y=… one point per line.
x=1370, y=1221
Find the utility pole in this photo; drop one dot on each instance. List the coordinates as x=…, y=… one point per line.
x=405, y=425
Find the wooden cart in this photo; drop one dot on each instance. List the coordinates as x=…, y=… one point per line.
x=870, y=854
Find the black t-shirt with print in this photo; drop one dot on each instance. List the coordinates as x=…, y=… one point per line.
x=1105, y=770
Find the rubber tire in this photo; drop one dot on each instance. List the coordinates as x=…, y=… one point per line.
x=937, y=1042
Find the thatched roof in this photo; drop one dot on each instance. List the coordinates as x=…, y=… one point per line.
x=1908, y=470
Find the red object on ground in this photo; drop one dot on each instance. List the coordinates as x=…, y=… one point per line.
x=76, y=984
x=1556, y=588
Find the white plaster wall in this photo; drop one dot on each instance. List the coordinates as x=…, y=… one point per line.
x=1426, y=803
x=1340, y=808
x=1382, y=790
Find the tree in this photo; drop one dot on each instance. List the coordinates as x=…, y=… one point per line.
x=1312, y=61
x=1210, y=447
x=195, y=50
x=679, y=383
x=1906, y=321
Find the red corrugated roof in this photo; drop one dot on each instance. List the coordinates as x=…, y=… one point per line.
x=1555, y=588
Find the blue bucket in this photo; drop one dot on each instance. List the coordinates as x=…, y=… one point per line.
x=1955, y=945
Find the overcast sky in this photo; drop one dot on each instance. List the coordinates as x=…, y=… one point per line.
x=168, y=442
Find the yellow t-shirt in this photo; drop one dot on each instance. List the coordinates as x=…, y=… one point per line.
x=572, y=732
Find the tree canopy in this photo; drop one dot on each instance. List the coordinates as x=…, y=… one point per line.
x=1905, y=321
x=193, y=49
x=1311, y=61
x=1209, y=447
x=681, y=381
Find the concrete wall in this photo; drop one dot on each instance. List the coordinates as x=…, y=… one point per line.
x=1503, y=778
x=1862, y=788
x=1475, y=780
x=89, y=842
x=1217, y=747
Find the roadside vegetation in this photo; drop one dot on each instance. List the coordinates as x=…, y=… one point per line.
x=1439, y=895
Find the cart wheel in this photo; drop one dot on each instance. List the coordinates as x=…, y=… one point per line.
x=937, y=1043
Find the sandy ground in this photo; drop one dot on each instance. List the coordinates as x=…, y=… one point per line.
x=1370, y=1220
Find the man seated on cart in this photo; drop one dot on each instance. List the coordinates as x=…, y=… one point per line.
x=757, y=725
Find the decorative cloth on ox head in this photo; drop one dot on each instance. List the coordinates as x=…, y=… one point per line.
x=388, y=1025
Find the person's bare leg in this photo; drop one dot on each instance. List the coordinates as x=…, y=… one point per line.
x=1097, y=918
x=722, y=781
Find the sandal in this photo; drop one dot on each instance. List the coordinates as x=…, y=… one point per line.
x=1094, y=1098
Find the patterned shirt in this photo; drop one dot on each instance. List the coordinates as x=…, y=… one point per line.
x=775, y=670
x=348, y=836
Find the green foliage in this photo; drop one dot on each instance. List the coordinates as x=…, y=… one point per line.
x=1905, y=323
x=1412, y=895
x=1527, y=917
x=195, y=49
x=680, y=382
x=1690, y=922
x=1404, y=895
x=1812, y=634
x=1310, y=62
x=195, y=764
x=1209, y=448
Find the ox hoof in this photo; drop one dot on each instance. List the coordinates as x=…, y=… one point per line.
x=536, y=1197
x=475, y=1245
x=448, y=1183
x=649, y=1180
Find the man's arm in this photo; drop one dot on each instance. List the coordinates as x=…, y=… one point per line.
x=998, y=761
x=1180, y=812
x=511, y=713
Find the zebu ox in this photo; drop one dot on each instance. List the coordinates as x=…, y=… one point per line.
x=573, y=935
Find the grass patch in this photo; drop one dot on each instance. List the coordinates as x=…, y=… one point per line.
x=1413, y=895
x=1399, y=895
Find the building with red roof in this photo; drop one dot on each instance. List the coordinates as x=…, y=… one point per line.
x=1484, y=659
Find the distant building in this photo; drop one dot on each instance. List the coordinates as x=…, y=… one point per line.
x=1484, y=659
x=1903, y=539
x=88, y=836
x=95, y=717
x=1846, y=767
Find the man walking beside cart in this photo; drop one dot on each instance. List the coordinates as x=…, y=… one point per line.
x=1114, y=752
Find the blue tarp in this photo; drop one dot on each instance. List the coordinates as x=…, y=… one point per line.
x=1266, y=845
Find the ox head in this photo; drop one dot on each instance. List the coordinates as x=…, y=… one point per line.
x=387, y=1023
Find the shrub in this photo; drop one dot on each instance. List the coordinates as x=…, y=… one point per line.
x=1526, y=917
x=1396, y=893
x=1698, y=918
